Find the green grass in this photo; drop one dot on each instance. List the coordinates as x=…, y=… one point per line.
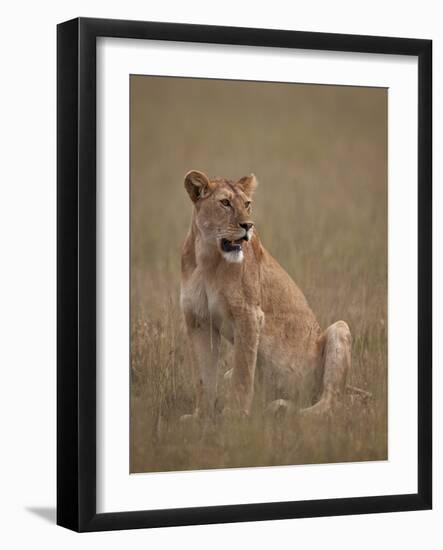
x=320, y=154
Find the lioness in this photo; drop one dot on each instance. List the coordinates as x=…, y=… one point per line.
x=232, y=286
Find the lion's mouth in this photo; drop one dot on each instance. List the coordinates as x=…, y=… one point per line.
x=233, y=246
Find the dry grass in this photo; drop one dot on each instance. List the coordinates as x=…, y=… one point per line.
x=321, y=210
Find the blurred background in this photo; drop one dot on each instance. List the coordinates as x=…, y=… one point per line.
x=320, y=155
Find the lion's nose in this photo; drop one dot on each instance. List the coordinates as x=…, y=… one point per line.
x=246, y=226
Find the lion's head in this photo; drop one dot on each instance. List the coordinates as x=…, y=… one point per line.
x=223, y=211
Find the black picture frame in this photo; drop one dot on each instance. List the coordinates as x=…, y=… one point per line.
x=76, y=279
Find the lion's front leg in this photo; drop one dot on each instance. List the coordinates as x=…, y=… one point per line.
x=205, y=346
x=246, y=339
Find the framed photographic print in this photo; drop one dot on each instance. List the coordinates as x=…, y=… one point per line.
x=244, y=274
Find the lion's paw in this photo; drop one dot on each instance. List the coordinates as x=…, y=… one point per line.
x=279, y=408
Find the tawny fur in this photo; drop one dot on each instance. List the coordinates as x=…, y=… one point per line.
x=248, y=298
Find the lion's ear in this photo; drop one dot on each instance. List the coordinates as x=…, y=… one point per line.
x=248, y=184
x=197, y=185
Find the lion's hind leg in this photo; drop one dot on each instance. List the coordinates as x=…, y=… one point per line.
x=337, y=342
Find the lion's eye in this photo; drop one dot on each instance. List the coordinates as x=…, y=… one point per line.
x=248, y=204
x=225, y=202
